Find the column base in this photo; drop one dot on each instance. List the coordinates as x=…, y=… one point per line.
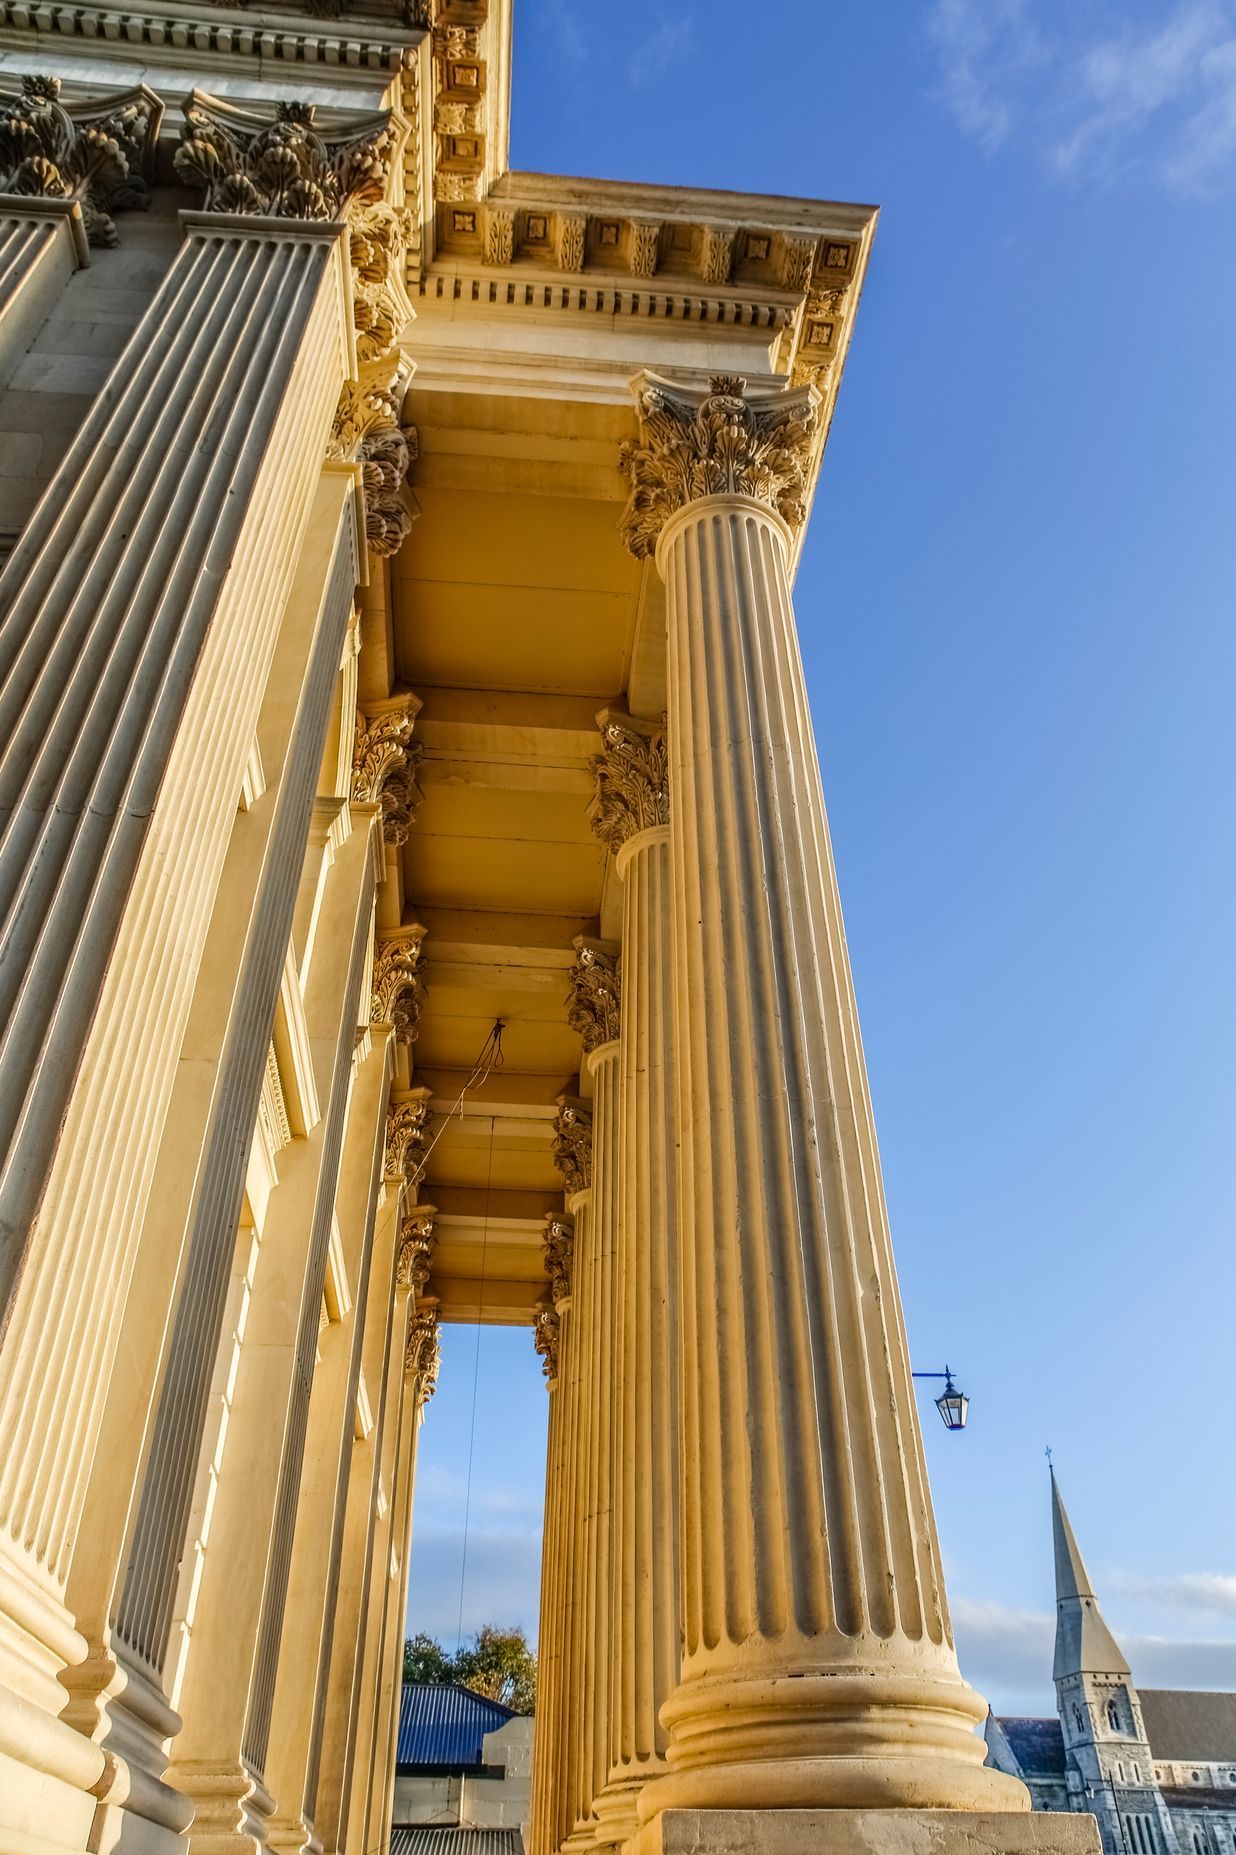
x=615, y=1809
x=865, y=1832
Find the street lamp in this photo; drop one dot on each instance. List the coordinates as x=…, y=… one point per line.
x=953, y=1405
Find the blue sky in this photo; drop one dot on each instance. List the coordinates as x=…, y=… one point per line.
x=1015, y=607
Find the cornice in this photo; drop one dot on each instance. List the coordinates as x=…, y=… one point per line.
x=166, y=31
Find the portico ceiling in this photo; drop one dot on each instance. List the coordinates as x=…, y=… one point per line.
x=516, y=610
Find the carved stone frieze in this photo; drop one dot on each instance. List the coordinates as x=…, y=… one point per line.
x=499, y=235
x=573, y=1144
x=457, y=189
x=569, y=241
x=398, y=989
x=632, y=778
x=720, y=443
x=595, y=1001
x=645, y=247
x=407, y=1132
x=546, y=1334
x=423, y=1354
x=95, y=151
x=797, y=262
x=717, y=253
x=417, y=1243
x=559, y=1247
x=385, y=763
x=283, y=167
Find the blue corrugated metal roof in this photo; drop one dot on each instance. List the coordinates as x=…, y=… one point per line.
x=442, y=1725
x=435, y=1841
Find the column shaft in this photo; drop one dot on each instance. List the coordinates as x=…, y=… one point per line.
x=598, y=1381
x=163, y=518
x=551, y=1702
x=113, y=625
x=818, y=1666
x=818, y=1663
x=304, y=1652
x=644, y=1627
x=575, y=1647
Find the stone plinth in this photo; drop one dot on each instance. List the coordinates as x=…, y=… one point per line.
x=864, y=1832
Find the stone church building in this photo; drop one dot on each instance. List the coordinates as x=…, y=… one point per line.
x=1156, y=1766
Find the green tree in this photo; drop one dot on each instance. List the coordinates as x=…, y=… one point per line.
x=426, y=1660
x=497, y=1664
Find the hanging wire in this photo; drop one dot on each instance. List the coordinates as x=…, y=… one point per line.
x=476, y=1367
x=490, y=1058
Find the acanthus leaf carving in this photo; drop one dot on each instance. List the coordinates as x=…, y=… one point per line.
x=407, y=1131
x=594, y=1005
x=423, y=1352
x=398, y=989
x=93, y=151
x=369, y=428
x=385, y=764
x=573, y=1144
x=720, y=443
x=632, y=778
x=559, y=1249
x=546, y=1334
x=379, y=236
x=417, y=1243
x=284, y=167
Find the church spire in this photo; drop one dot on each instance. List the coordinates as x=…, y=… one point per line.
x=1084, y=1644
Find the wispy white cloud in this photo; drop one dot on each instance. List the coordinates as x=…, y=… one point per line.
x=563, y=26
x=1202, y=1594
x=1095, y=96
x=656, y=56
x=1007, y=1653
x=987, y=49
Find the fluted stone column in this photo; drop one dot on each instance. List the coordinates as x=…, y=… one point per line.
x=818, y=1660
x=594, y=1012
x=573, y=1158
x=631, y=815
x=554, y=1342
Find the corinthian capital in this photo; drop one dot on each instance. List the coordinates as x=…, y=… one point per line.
x=719, y=443
x=423, y=1353
x=559, y=1255
x=398, y=990
x=384, y=765
x=416, y=1247
x=573, y=1144
x=407, y=1128
x=595, y=1001
x=93, y=150
x=632, y=776
x=285, y=166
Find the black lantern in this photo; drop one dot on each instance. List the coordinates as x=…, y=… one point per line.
x=953, y=1405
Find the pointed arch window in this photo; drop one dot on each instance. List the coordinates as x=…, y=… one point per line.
x=1113, y=1716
